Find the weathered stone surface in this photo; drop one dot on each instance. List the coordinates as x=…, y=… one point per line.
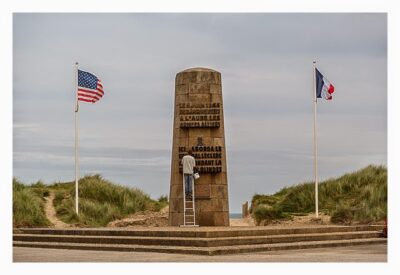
x=221, y=190
x=175, y=218
x=176, y=205
x=212, y=204
x=220, y=178
x=245, y=209
x=202, y=190
x=199, y=124
x=221, y=219
x=205, y=218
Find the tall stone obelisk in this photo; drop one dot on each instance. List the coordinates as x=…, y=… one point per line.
x=199, y=125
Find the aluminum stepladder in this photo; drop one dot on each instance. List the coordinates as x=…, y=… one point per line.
x=189, y=213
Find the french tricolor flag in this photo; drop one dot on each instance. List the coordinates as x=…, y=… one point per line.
x=324, y=88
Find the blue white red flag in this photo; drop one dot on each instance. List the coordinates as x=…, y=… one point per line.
x=325, y=89
x=90, y=88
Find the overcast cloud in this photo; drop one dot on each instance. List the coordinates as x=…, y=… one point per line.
x=266, y=66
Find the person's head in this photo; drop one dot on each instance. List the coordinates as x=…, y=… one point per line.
x=190, y=152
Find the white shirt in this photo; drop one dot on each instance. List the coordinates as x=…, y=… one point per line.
x=188, y=163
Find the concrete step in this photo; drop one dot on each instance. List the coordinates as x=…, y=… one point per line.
x=115, y=247
x=291, y=246
x=197, y=241
x=204, y=232
x=201, y=250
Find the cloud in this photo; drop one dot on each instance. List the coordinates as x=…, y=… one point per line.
x=265, y=61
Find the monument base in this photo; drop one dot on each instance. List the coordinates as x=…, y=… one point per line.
x=200, y=240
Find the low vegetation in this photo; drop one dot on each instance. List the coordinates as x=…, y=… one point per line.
x=100, y=202
x=358, y=197
x=28, y=205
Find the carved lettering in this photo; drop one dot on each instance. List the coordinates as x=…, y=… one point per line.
x=199, y=115
x=208, y=158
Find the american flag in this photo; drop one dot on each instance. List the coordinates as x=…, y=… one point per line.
x=90, y=88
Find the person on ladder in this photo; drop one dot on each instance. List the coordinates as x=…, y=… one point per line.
x=189, y=165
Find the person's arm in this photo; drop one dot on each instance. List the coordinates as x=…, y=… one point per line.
x=194, y=166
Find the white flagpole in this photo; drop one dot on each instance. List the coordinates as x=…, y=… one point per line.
x=315, y=142
x=76, y=140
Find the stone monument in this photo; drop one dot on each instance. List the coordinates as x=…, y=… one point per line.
x=199, y=125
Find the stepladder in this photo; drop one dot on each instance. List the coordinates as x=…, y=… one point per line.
x=189, y=211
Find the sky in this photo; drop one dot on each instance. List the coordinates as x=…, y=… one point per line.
x=266, y=64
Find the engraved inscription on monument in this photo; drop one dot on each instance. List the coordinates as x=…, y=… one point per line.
x=199, y=115
x=208, y=158
x=199, y=126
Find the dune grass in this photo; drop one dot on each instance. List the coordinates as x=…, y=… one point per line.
x=28, y=205
x=100, y=202
x=360, y=197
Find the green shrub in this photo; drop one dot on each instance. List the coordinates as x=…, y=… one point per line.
x=267, y=214
x=163, y=199
x=360, y=196
x=343, y=215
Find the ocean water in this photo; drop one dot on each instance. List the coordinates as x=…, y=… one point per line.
x=235, y=215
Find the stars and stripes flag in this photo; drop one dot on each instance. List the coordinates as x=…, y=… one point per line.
x=324, y=88
x=90, y=88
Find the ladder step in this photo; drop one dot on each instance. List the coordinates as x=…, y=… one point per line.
x=189, y=210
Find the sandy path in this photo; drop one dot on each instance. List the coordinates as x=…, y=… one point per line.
x=51, y=212
x=242, y=221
